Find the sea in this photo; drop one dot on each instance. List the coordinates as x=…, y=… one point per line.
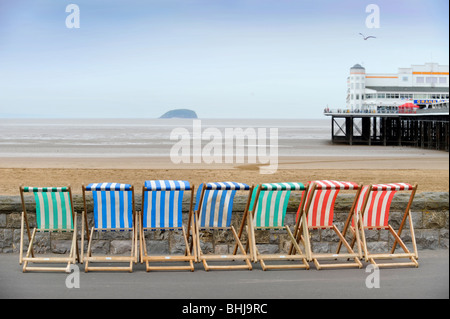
x=154, y=137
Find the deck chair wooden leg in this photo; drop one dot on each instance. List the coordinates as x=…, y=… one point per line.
x=241, y=247
x=142, y=244
x=188, y=253
x=307, y=238
x=82, y=238
x=75, y=239
x=21, y=239
x=297, y=247
x=88, y=253
x=251, y=236
x=199, y=249
x=193, y=245
x=30, y=248
x=350, y=250
x=400, y=242
x=413, y=236
x=358, y=240
x=363, y=236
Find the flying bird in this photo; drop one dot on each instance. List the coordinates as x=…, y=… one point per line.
x=370, y=36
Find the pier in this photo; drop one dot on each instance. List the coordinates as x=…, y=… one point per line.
x=428, y=129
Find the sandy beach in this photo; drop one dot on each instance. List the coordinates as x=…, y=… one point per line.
x=74, y=152
x=430, y=172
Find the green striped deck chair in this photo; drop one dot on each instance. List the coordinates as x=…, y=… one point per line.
x=113, y=210
x=268, y=213
x=214, y=212
x=54, y=213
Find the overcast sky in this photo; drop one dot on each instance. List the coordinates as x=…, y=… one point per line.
x=221, y=58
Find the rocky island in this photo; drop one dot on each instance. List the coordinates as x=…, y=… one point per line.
x=179, y=113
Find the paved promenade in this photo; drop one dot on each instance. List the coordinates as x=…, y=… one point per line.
x=430, y=280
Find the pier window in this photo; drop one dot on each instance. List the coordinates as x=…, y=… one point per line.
x=420, y=79
x=381, y=95
x=442, y=80
x=431, y=80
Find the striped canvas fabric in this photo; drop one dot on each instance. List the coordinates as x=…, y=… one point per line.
x=376, y=214
x=162, y=185
x=45, y=189
x=321, y=210
x=217, y=205
x=163, y=203
x=282, y=186
x=53, y=208
x=108, y=187
x=272, y=203
x=113, y=205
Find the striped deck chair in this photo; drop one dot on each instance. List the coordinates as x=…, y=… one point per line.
x=319, y=205
x=267, y=212
x=113, y=210
x=162, y=204
x=214, y=211
x=374, y=205
x=54, y=213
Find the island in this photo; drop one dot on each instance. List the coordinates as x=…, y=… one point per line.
x=179, y=113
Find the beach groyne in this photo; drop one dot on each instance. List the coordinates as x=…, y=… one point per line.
x=430, y=213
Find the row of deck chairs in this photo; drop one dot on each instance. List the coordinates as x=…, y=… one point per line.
x=265, y=209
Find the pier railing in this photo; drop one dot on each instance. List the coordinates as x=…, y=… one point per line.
x=384, y=111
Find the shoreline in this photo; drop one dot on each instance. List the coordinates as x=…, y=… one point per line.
x=438, y=162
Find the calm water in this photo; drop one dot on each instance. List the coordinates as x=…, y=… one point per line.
x=140, y=137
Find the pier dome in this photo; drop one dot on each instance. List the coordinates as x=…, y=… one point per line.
x=357, y=67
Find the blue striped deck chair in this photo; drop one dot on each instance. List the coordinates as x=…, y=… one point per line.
x=113, y=210
x=162, y=208
x=54, y=213
x=267, y=213
x=214, y=211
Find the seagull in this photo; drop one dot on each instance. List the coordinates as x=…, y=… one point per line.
x=365, y=38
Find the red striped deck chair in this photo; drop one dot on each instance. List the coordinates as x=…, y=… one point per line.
x=268, y=213
x=162, y=204
x=319, y=204
x=213, y=213
x=114, y=213
x=54, y=213
x=374, y=206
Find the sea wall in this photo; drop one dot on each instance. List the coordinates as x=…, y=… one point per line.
x=430, y=214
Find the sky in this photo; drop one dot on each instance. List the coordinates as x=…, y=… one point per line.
x=221, y=58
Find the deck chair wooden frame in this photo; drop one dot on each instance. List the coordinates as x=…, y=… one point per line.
x=162, y=210
x=213, y=211
x=319, y=203
x=373, y=209
x=113, y=212
x=267, y=212
x=54, y=213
